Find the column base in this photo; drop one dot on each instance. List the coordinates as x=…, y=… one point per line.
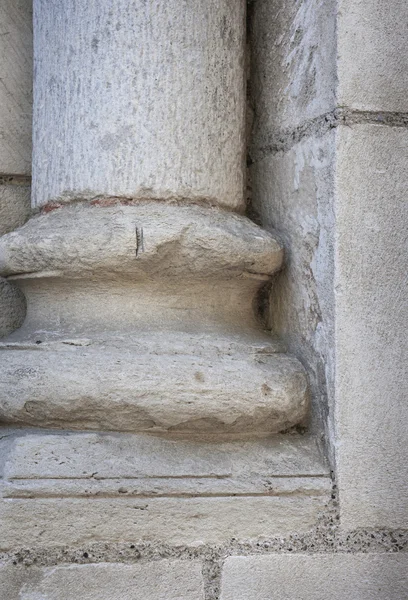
x=145, y=317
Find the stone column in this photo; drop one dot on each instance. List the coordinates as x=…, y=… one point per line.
x=144, y=284
x=139, y=100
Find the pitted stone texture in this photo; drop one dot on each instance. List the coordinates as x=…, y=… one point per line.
x=153, y=94
x=73, y=521
x=16, y=40
x=371, y=55
x=91, y=387
x=159, y=580
x=316, y=577
x=371, y=315
x=12, y=307
x=14, y=206
x=143, y=241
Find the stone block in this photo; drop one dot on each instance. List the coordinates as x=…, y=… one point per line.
x=371, y=316
x=161, y=580
x=112, y=456
x=72, y=521
x=316, y=577
x=371, y=48
x=16, y=57
x=292, y=64
x=83, y=465
x=14, y=206
x=293, y=195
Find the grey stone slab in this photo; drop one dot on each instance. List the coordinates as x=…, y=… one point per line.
x=57, y=522
x=16, y=57
x=371, y=43
x=81, y=456
x=112, y=456
x=371, y=316
x=316, y=577
x=160, y=580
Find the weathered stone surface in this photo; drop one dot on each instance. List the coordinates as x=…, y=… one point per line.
x=316, y=577
x=371, y=65
x=294, y=195
x=371, y=315
x=108, y=456
x=16, y=57
x=73, y=521
x=166, y=487
x=46, y=465
x=143, y=241
x=12, y=307
x=103, y=387
x=293, y=75
x=14, y=206
x=154, y=97
x=159, y=580
x=191, y=270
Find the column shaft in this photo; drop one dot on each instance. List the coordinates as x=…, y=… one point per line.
x=143, y=100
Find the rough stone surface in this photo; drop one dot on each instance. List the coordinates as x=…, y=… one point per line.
x=14, y=206
x=16, y=57
x=293, y=75
x=103, y=387
x=161, y=580
x=293, y=195
x=142, y=241
x=154, y=97
x=12, y=307
x=82, y=455
x=45, y=465
x=316, y=577
x=213, y=520
x=371, y=64
x=146, y=268
x=371, y=313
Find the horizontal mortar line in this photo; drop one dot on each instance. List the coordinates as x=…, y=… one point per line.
x=14, y=179
x=284, y=139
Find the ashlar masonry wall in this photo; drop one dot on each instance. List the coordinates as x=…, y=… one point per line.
x=311, y=513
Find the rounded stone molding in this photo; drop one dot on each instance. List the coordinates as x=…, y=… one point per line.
x=143, y=317
x=146, y=240
x=171, y=382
